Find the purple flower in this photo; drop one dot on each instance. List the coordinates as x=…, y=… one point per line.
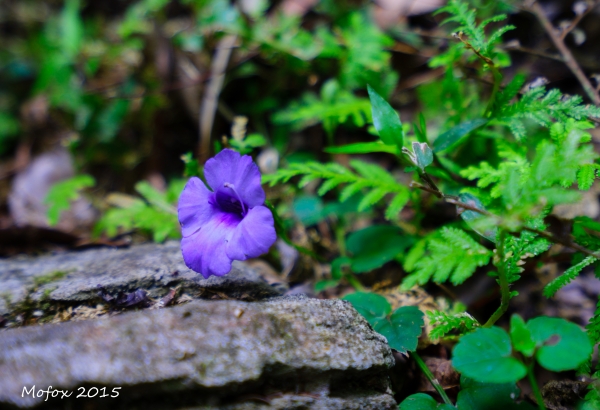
x=228, y=223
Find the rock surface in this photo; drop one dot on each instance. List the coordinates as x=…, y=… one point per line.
x=75, y=276
x=284, y=353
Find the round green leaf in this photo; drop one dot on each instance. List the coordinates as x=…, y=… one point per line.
x=422, y=401
x=385, y=119
x=564, y=346
x=402, y=329
x=484, y=355
x=375, y=245
x=475, y=395
x=372, y=306
x=520, y=336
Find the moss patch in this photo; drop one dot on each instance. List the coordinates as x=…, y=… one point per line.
x=48, y=278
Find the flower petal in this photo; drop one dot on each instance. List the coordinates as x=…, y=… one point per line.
x=205, y=250
x=194, y=208
x=229, y=166
x=253, y=236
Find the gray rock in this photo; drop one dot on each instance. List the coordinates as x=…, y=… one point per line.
x=292, y=352
x=75, y=276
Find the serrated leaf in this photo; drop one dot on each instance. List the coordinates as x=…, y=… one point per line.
x=329, y=185
x=372, y=171
x=352, y=189
x=485, y=355
x=586, y=176
x=364, y=148
x=372, y=306
x=454, y=134
x=402, y=329
x=386, y=120
x=571, y=348
x=570, y=274
x=396, y=205
x=371, y=199
x=61, y=194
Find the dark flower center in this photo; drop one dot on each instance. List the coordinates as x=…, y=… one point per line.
x=230, y=203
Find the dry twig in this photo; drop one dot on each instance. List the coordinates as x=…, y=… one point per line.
x=558, y=40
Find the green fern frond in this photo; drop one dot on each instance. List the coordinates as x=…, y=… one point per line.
x=452, y=255
x=543, y=107
x=519, y=248
x=593, y=328
x=445, y=324
x=586, y=176
x=335, y=106
x=466, y=20
x=375, y=180
x=566, y=278
x=510, y=91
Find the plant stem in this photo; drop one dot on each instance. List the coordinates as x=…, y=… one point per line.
x=534, y=386
x=495, y=88
x=353, y=280
x=434, y=382
x=502, y=280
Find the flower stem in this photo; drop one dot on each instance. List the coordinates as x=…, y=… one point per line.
x=434, y=382
x=502, y=280
x=534, y=386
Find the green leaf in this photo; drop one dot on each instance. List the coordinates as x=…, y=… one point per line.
x=475, y=219
x=571, y=348
x=475, y=395
x=386, y=120
x=485, y=355
x=586, y=176
x=402, y=329
x=154, y=197
x=422, y=401
x=363, y=148
x=375, y=245
x=336, y=266
x=423, y=154
x=521, y=336
x=72, y=28
x=326, y=284
x=396, y=205
x=569, y=275
x=61, y=194
x=456, y=133
x=372, y=306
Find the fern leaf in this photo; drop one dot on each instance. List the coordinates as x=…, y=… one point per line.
x=586, y=176
x=396, y=205
x=452, y=255
x=567, y=277
x=371, y=199
x=593, y=327
x=352, y=190
x=444, y=324
x=372, y=171
x=329, y=185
